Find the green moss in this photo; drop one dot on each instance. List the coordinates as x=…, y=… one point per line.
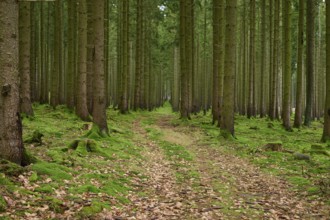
x=300, y=182
x=84, y=188
x=9, y=168
x=54, y=171
x=95, y=208
x=34, y=177
x=54, y=204
x=45, y=189
x=3, y=204
x=115, y=188
x=317, y=147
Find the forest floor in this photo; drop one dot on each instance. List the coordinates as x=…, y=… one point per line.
x=156, y=166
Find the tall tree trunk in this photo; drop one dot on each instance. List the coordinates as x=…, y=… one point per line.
x=310, y=42
x=216, y=50
x=227, y=119
x=186, y=26
x=90, y=52
x=24, y=58
x=299, y=87
x=11, y=145
x=81, y=104
x=138, y=55
x=251, y=104
x=286, y=13
x=99, y=100
x=124, y=58
x=54, y=97
x=71, y=54
x=263, y=59
x=326, y=128
x=33, y=52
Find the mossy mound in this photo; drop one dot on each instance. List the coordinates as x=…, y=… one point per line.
x=53, y=170
x=28, y=158
x=93, y=209
x=318, y=149
x=36, y=137
x=273, y=146
x=9, y=168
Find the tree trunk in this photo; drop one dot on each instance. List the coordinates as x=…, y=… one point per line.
x=299, y=88
x=251, y=104
x=124, y=58
x=138, y=55
x=263, y=59
x=326, y=129
x=99, y=101
x=24, y=58
x=81, y=104
x=11, y=145
x=309, y=61
x=71, y=53
x=54, y=96
x=227, y=119
x=286, y=13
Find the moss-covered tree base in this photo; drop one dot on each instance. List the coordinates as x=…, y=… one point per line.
x=89, y=142
x=275, y=146
x=28, y=158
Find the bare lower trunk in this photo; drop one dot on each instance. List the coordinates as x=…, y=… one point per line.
x=11, y=146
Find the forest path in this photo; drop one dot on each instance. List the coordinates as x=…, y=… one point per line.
x=213, y=184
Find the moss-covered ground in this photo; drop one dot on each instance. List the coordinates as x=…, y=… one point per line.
x=69, y=180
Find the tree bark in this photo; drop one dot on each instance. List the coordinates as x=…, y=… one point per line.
x=299, y=88
x=286, y=13
x=99, y=100
x=227, y=119
x=11, y=145
x=251, y=103
x=326, y=128
x=310, y=42
x=24, y=58
x=81, y=104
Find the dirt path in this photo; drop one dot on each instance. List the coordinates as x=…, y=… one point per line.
x=230, y=187
x=245, y=189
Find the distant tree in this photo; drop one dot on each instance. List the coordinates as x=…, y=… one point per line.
x=186, y=55
x=11, y=144
x=218, y=58
x=227, y=119
x=124, y=56
x=326, y=129
x=24, y=58
x=286, y=14
x=299, y=90
x=71, y=41
x=251, y=111
x=55, y=76
x=138, y=55
x=263, y=66
x=275, y=62
x=81, y=93
x=310, y=43
x=99, y=100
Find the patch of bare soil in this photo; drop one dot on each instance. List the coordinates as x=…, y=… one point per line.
x=246, y=191
x=159, y=196
x=230, y=187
